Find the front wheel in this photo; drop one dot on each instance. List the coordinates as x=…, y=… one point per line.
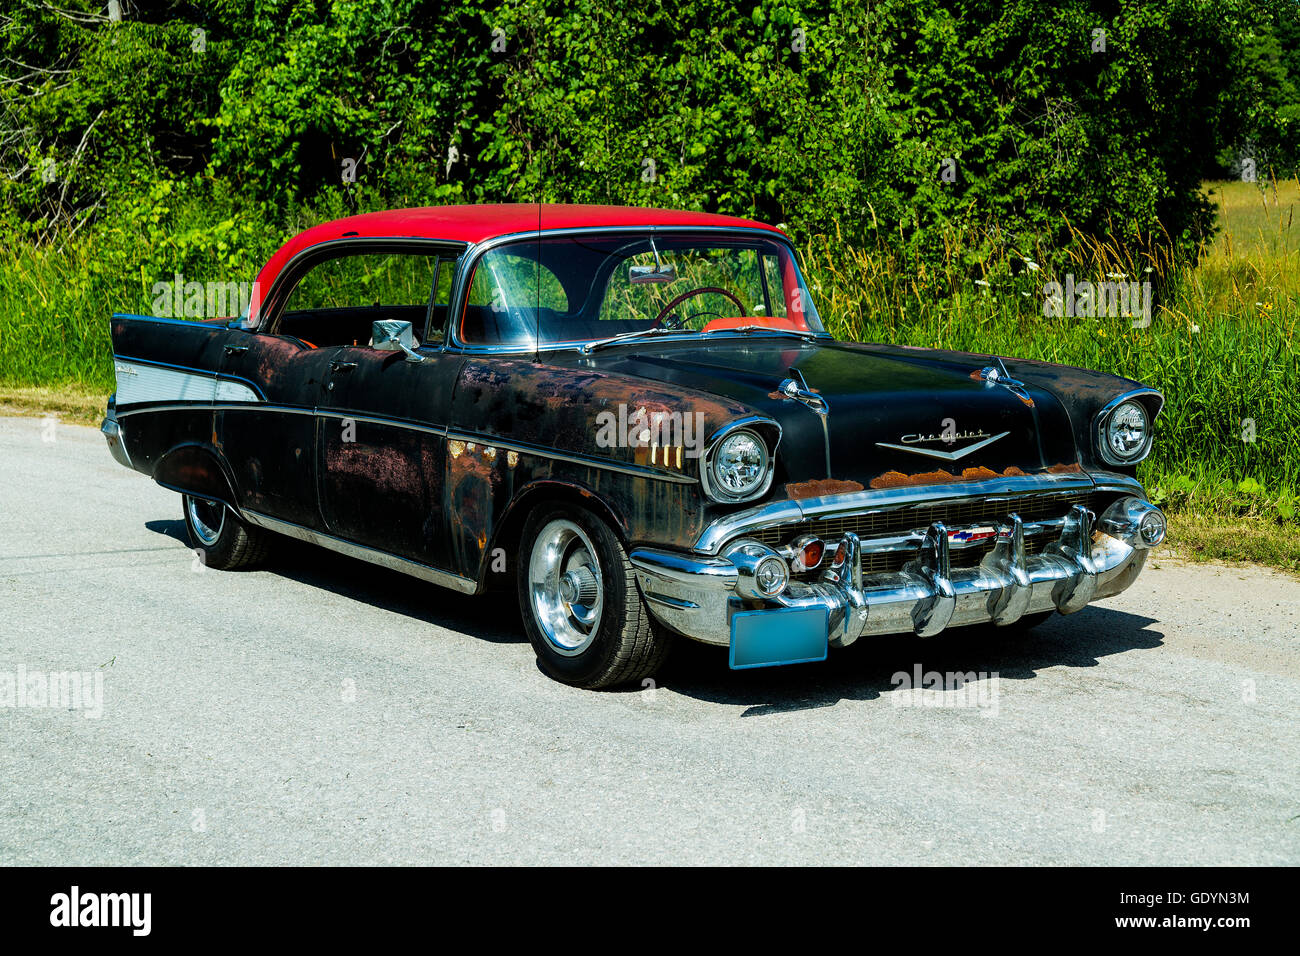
x=583, y=613
x=222, y=539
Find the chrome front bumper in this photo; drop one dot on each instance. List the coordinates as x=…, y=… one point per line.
x=697, y=596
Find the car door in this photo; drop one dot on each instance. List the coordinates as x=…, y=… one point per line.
x=269, y=441
x=382, y=421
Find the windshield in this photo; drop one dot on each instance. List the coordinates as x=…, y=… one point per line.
x=575, y=289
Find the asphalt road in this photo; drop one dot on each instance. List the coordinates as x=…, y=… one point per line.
x=324, y=711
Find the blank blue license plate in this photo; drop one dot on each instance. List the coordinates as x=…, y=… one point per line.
x=781, y=636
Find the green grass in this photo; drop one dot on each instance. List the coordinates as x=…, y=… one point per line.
x=1221, y=345
x=54, y=309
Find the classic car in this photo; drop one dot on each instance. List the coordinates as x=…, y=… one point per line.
x=635, y=421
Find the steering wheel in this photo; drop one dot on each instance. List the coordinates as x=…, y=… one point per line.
x=689, y=293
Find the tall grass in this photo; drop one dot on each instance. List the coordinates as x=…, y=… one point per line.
x=54, y=308
x=1221, y=345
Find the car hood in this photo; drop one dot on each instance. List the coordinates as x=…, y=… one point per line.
x=892, y=416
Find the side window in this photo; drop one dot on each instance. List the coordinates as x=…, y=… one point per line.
x=336, y=301
x=503, y=300
x=505, y=278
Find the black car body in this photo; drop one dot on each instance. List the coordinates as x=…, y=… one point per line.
x=494, y=395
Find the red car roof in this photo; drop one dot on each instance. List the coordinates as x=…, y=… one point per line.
x=473, y=224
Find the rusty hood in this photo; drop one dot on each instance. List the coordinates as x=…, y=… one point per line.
x=863, y=416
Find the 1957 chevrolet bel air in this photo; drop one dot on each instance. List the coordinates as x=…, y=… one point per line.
x=634, y=419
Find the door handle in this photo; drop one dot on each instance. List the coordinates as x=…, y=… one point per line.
x=342, y=366
x=236, y=349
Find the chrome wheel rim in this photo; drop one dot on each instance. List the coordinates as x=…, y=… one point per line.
x=207, y=518
x=566, y=587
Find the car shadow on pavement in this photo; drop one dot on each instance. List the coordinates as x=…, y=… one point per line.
x=491, y=620
x=171, y=529
x=873, y=666
x=861, y=672
x=496, y=621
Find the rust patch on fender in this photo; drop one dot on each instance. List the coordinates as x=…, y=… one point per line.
x=896, y=479
x=473, y=484
x=821, y=486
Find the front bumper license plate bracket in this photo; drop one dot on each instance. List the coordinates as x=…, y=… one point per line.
x=778, y=636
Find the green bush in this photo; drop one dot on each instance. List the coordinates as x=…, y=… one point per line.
x=913, y=123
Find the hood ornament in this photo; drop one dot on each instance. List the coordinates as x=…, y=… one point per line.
x=999, y=375
x=796, y=389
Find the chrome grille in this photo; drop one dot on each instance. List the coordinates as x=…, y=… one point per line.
x=954, y=514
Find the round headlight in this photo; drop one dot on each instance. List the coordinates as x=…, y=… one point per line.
x=739, y=465
x=1126, y=432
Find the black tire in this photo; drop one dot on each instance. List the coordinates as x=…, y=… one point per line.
x=622, y=645
x=222, y=540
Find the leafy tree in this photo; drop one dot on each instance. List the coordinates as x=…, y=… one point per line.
x=924, y=125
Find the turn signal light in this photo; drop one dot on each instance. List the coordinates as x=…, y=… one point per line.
x=806, y=553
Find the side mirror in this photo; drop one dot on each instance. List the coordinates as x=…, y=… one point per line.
x=393, y=335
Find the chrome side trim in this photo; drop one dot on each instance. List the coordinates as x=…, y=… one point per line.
x=573, y=458
x=219, y=407
x=438, y=430
x=246, y=383
x=539, y=451
x=792, y=511
x=139, y=382
x=353, y=550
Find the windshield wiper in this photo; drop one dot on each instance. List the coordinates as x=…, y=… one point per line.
x=806, y=334
x=625, y=336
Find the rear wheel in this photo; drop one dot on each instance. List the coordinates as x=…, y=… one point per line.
x=221, y=538
x=581, y=607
